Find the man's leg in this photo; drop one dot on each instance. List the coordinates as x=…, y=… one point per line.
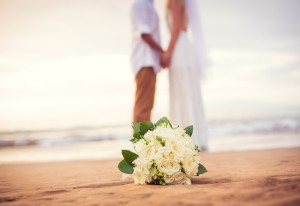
x=144, y=96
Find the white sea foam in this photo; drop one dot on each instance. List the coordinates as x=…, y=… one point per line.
x=218, y=130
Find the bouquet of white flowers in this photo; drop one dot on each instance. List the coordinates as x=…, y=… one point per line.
x=164, y=154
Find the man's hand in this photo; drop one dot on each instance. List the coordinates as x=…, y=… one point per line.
x=165, y=56
x=162, y=63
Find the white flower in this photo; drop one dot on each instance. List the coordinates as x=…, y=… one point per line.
x=164, y=132
x=165, y=155
x=144, y=150
x=140, y=146
x=144, y=164
x=177, y=177
x=164, y=152
x=176, y=148
x=151, y=139
x=168, y=166
x=185, y=181
x=190, y=166
x=141, y=173
x=140, y=176
x=149, y=136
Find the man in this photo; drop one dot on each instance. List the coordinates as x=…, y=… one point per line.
x=145, y=56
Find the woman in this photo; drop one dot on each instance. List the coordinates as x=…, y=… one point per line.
x=185, y=66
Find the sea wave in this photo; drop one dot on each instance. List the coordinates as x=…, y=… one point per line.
x=225, y=128
x=217, y=129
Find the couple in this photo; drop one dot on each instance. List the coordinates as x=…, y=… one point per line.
x=183, y=57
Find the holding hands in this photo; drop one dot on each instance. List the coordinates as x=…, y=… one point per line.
x=165, y=59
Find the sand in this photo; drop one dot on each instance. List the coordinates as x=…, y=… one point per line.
x=266, y=177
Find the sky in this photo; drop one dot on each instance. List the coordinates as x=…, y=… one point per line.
x=65, y=63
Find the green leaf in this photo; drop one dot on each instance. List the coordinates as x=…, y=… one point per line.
x=125, y=167
x=136, y=127
x=129, y=156
x=163, y=120
x=145, y=127
x=136, y=137
x=189, y=130
x=201, y=169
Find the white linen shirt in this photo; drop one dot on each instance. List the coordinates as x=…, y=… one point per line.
x=144, y=20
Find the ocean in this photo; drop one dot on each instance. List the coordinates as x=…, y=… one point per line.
x=65, y=76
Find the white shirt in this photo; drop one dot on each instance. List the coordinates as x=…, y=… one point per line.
x=144, y=21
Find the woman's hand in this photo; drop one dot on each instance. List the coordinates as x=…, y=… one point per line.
x=166, y=59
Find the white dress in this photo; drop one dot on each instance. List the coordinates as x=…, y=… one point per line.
x=186, y=106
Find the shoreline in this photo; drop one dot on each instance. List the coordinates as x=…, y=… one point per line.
x=110, y=149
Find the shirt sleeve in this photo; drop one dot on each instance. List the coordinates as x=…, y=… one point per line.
x=141, y=18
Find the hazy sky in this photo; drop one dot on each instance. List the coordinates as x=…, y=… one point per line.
x=66, y=62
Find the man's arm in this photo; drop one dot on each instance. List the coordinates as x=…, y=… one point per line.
x=151, y=42
x=142, y=21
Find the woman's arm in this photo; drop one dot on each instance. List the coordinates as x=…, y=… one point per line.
x=176, y=11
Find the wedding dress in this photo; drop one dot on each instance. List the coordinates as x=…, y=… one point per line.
x=186, y=105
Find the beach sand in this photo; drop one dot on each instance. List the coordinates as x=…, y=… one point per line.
x=265, y=177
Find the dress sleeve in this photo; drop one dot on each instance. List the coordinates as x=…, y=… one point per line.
x=141, y=18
